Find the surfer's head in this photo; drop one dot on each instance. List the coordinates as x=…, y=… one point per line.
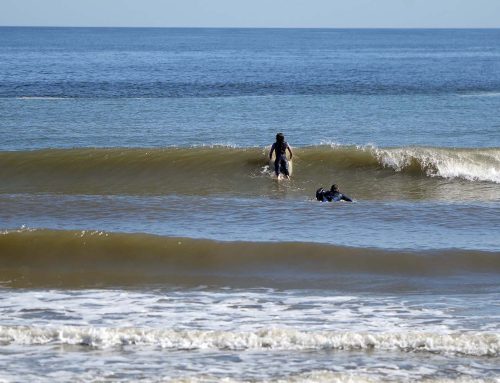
x=334, y=188
x=280, y=137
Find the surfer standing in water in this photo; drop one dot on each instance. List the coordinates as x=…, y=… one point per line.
x=281, y=162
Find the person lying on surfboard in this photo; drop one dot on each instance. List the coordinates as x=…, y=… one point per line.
x=333, y=194
x=281, y=162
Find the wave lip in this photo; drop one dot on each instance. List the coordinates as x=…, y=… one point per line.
x=470, y=344
x=467, y=164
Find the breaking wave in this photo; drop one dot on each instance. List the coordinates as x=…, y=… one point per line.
x=467, y=164
x=471, y=344
x=228, y=169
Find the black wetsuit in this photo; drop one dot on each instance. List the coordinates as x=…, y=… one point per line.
x=281, y=162
x=331, y=196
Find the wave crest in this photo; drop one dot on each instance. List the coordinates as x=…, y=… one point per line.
x=473, y=344
x=399, y=173
x=467, y=164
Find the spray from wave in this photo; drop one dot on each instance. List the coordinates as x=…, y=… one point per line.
x=467, y=164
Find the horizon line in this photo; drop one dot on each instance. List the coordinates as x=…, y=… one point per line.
x=235, y=27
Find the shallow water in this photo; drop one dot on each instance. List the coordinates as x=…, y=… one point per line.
x=200, y=334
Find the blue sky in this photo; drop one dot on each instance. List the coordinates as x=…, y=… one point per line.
x=254, y=13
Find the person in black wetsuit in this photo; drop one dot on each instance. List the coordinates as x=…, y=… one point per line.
x=332, y=195
x=281, y=163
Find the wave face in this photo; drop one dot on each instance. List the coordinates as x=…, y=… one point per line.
x=72, y=258
x=405, y=172
x=471, y=344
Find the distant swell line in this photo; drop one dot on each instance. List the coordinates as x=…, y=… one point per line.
x=227, y=88
x=470, y=344
x=74, y=258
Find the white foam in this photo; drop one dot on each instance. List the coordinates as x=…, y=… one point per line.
x=481, y=94
x=473, y=344
x=468, y=164
x=21, y=229
x=314, y=376
x=320, y=376
x=331, y=144
x=247, y=310
x=218, y=145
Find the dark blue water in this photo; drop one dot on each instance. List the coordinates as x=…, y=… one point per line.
x=102, y=63
x=182, y=87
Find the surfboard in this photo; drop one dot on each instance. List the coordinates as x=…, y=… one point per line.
x=290, y=166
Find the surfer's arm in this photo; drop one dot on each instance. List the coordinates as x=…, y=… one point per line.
x=345, y=198
x=273, y=147
x=289, y=151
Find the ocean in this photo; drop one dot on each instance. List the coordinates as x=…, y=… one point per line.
x=144, y=238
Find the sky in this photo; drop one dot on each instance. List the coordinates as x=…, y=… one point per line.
x=253, y=13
